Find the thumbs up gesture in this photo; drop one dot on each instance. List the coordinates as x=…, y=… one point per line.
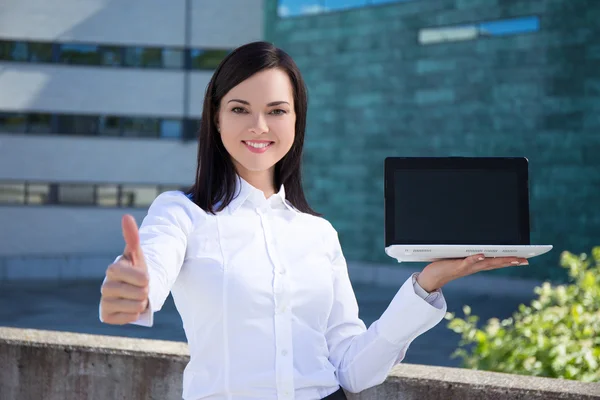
x=125, y=290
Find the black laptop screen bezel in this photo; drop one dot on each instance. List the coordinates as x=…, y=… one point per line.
x=519, y=164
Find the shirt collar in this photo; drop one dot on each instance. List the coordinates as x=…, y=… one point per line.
x=246, y=192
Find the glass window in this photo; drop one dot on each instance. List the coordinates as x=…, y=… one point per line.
x=328, y=5
x=76, y=194
x=13, y=123
x=77, y=125
x=150, y=57
x=109, y=126
x=510, y=26
x=107, y=195
x=12, y=193
x=141, y=127
x=38, y=193
x=81, y=54
x=207, y=59
x=40, y=52
x=13, y=51
x=111, y=55
x=172, y=58
x=137, y=196
x=170, y=128
x=39, y=123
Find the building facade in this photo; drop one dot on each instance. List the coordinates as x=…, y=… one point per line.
x=449, y=78
x=99, y=106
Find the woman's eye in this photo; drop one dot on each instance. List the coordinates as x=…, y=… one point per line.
x=238, y=110
x=279, y=111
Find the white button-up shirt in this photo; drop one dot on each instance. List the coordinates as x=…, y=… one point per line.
x=266, y=302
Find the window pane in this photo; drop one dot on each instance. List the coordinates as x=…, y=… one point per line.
x=150, y=57
x=510, y=26
x=109, y=126
x=329, y=5
x=39, y=123
x=107, y=196
x=81, y=54
x=137, y=196
x=38, y=193
x=12, y=193
x=141, y=127
x=13, y=51
x=111, y=55
x=77, y=125
x=12, y=123
x=40, y=52
x=172, y=58
x=76, y=194
x=170, y=128
x=207, y=59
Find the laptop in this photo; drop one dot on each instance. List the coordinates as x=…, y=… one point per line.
x=454, y=207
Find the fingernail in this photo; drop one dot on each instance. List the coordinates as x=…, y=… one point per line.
x=515, y=262
x=524, y=263
x=480, y=259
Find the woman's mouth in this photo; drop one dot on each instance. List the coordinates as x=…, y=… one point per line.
x=258, y=146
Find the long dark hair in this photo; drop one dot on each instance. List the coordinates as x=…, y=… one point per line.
x=216, y=176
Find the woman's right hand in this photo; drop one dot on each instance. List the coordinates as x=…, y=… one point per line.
x=125, y=290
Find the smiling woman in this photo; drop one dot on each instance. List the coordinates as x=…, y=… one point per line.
x=256, y=115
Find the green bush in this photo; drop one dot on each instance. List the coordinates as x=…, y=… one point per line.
x=557, y=336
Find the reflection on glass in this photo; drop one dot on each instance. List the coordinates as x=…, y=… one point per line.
x=38, y=193
x=13, y=123
x=172, y=58
x=149, y=57
x=109, y=126
x=107, y=195
x=111, y=55
x=170, y=128
x=137, y=196
x=13, y=51
x=207, y=59
x=39, y=123
x=12, y=193
x=76, y=194
x=40, y=52
x=141, y=127
x=77, y=125
x=80, y=54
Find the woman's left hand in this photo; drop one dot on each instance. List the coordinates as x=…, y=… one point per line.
x=439, y=273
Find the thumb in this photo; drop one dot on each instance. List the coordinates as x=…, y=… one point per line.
x=133, y=250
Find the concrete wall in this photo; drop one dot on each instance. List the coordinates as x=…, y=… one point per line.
x=59, y=365
x=376, y=92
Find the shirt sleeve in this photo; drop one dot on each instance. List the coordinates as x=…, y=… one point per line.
x=364, y=357
x=163, y=238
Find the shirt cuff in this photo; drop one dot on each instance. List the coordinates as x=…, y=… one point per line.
x=422, y=293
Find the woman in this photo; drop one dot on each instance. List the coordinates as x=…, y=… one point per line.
x=257, y=276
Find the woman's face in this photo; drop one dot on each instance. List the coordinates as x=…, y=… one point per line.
x=257, y=121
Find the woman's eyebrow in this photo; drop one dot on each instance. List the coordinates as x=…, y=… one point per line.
x=271, y=104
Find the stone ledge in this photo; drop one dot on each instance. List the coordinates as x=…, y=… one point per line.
x=57, y=365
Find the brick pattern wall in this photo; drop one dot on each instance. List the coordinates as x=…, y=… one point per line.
x=376, y=92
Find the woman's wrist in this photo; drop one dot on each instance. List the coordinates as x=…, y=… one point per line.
x=428, y=281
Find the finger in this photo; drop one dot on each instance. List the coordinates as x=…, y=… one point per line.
x=508, y=262
x=133, y=251
x=123, y=305
x=115, y=289
x=127, y=274
x=120, y=318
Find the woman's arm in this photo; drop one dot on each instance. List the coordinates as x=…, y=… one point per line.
x=163, y=240
x=363, y=358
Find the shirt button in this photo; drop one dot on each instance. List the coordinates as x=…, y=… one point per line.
x=284, y=353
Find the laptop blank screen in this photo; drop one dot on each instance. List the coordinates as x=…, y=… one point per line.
x=457, y=206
